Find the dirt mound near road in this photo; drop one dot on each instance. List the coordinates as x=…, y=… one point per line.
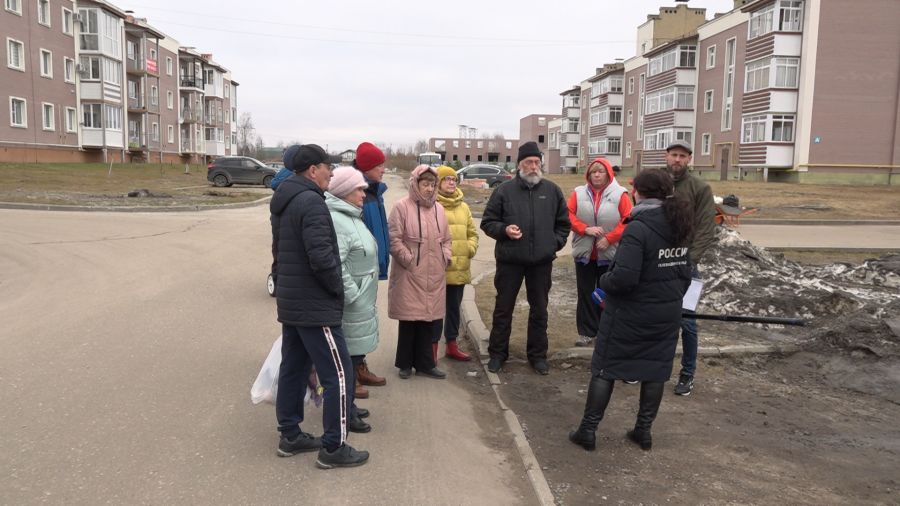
x=845, y=305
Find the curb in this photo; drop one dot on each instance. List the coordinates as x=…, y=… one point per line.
x=131, y=209
x=812, y=223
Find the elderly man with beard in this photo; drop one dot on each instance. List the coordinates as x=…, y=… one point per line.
x=528, y=218
x=699, y=195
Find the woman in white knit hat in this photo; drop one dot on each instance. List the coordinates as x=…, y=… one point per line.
x=359, y=269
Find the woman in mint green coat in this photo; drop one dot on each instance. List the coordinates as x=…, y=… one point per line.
x=359, y=260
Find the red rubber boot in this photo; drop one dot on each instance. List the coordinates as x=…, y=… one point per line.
x=455, y=353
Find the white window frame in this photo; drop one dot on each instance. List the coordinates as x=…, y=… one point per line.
x=629, y=117
x=728, y=84
x=782, y=69
x=631, y=85
x=705, y=142
x=68, y=22
x=87, y=67
x=43, y=12
x=783, y=119
x=708, y=100
x=170, y=99
x=96, y=111
x=760, y=22
x=628, y=149
x=71, y=119
x=753, y=128
x=711, y=57
x=154, y=95
x=112, y=71
x=112, y=117
x=51, y=126
x=46, y=63
x=68, y=69
x=170, y=134
x=154, y=132
x=14, y=6
x=24, y=113
x=169, y=65
x=794, y=7
x=757, y=74
x=10, y=42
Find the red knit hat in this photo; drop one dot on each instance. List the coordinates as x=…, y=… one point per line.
x=368, y=156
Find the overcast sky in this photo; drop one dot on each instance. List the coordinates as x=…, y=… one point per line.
x=338, y=72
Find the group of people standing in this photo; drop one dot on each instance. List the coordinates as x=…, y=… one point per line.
x=332, y=243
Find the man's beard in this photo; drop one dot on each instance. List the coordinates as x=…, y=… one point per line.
x=534, y=178
x=676, y=173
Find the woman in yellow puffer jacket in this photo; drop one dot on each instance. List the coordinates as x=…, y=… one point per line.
x=464, y=245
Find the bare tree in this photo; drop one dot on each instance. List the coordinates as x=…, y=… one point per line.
x=245, y=134
x=258, y=146
x=421, y=146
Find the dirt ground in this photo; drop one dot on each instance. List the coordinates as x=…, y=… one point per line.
x=815, y=427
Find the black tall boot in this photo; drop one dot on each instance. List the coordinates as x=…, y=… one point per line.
x=599, y=392
x=651, y=397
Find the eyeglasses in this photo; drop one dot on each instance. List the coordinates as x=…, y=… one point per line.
x=449, y=179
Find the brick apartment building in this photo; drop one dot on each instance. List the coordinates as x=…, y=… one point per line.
x=88, y=82
x=471, y=150
x=774, y=90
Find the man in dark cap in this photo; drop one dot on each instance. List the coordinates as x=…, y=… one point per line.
x=699, y=194
x=310, y=295
x=528, y=218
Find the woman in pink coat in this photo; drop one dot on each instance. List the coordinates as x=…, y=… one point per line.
x=420, y=247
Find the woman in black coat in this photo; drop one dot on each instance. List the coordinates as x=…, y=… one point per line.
x=644, y=288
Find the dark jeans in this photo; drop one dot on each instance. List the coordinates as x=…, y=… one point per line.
x=324, y=347
x=587, y=312
x=449, y=326
x=507, y=282
x=689, y=338
x=414, y=340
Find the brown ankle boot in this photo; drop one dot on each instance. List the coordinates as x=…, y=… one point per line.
x=367, y=377
x=360, y=392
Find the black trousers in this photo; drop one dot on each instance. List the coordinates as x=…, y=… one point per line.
x=449, y=326
x=324, y=347
x=414, y=340
x=587, y=312
x=507, y=282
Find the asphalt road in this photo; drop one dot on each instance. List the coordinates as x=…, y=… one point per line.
x=129, y=343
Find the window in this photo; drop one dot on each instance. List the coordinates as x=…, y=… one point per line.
x=170, y=134
x=14, y=6
x=48, y=118
x=90, y=68
x=571, y=100
x=132, y=90
x=704, y=144
x=708, y=101
x=130, y=49
x=627, y=150
x=89, y=37
x=90, y=114
x=15, y=54
x=615, y=115
x=153, y=54
x=455, y=143
x=71, y=118
x=67, y=21
x=112, y=71
x=728, y=89
x=46, y=63
x=44, y=12
x=631, y=85
x=170, y=100
x=18, y=112
x=787, y=72
x=687, y=56
x=640, y=127
x=629, y=118
x=227, y=88
x=782, y=128
x=711, y=56
x=168, y=65
x=154, y=132
x=685, y=98
x=68, y=69
x=673, y=97
x=595, y=118
x=113, y=117
x=659, y=139
x=99, y=32
x=154, y=95
x=754, y=129
x=757, y=73
x=760, y=22
x=681, y=56
x=541, y=139
x=789, y=15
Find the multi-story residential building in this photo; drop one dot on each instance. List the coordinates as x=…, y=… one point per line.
x=552, y=158
x=534, y=128
x=497, y=151
x=87, y=82
x=214, y=106
x=570, y=129
x=38, y=80
x=230, y=112
x=604, y=130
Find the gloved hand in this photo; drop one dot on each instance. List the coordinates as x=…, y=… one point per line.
x=598, y=296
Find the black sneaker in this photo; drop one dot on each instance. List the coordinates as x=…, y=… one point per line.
x=344, y=456
x=685, y=385
x=405, y=373
x=494, y=365
x=358, y=425
x=362, y=412
x=541, y=367
x=630, y=382
x=434, y=372
x=302, y=443
x=584, y=341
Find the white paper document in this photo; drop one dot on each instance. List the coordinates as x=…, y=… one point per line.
x=692, y=296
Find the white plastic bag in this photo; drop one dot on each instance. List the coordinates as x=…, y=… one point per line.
x=265, y=388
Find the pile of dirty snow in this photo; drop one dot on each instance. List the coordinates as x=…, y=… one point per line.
x=845, y=305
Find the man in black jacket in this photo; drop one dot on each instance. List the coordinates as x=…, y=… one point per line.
x=310, y=295
x=527, y=216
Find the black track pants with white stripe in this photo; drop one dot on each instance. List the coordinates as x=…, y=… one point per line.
x=324, y=347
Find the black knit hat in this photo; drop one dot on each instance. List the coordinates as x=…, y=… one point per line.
x=528, y=149
x=308, y=155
